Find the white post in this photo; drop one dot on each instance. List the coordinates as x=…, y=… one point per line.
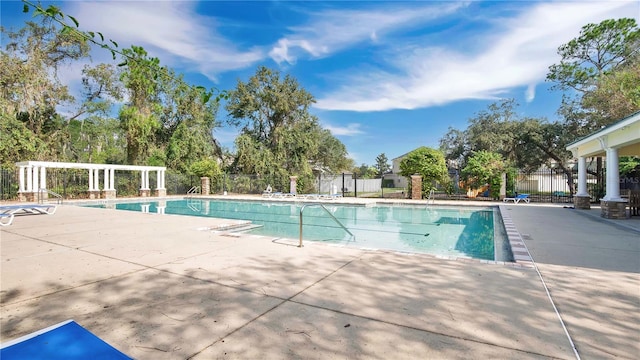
x=146, y=179
x=90, y=179
x=34, y=180
x=160, y=180
x=21, y=177
x=106, y=180
x=43, y=178
x=96, y=179
x=29, y=174
x=582, y=176
x=613, y=176
x=112, y=179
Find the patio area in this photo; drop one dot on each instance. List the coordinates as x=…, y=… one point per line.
x=174, y=287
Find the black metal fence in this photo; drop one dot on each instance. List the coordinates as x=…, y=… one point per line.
x=545, y=185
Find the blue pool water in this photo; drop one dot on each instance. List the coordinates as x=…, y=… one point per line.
x=461, y=232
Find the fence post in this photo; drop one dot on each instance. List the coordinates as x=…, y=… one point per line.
x=355, y=185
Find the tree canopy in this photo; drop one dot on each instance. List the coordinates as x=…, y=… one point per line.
x=165, y=120
x=427, y=162
x=278, y=136
x=485, y=168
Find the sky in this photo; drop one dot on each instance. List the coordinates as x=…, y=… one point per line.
x=387, y=76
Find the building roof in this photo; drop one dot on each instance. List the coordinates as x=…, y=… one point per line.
x=623, y=135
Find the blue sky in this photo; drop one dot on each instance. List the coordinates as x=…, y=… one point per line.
x=388, y=76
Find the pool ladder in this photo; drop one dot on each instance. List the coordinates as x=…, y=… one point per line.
x=328, y=212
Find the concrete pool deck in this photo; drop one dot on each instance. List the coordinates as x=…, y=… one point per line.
x=164, y=287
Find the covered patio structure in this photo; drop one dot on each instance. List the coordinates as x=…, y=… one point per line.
x=619, y=139
x=33, y=178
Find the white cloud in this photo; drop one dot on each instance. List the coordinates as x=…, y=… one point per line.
x=516, y=53
x=172, y=31
x=530, y=93
x=334, y=30
x=349, y=130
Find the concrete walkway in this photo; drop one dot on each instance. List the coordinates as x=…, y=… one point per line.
x=166, y=287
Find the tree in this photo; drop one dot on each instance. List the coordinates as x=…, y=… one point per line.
x=617, y=94
x=17, y=142
x=205, y=167
x=365, y=171
x=279, y=137
x=600, y=50
x=382, y=164
x=425, y=161
x=187, y=124
x=587, y=73
x=485, y=168
x=523, y=142
x=30, y=90
x=332, y=155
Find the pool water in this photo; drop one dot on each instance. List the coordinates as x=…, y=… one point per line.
x=452, y=231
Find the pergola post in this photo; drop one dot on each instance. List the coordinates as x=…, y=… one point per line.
x=108, y=192
x=42, y=189
x=612, y=205
x=22, y=188
x=160, y=189
x=144, y=183
x=582, y=199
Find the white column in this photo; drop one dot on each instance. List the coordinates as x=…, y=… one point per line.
x=106, y=180
x=43, y=178
x=582, y=177
x=34, y=179
x=112, y=179
x=613, y=176
x=146, y=180
x=142, y=187
x=21, y=177
x=160, y=180
x=96, y=179
x=29, y=175
x=90, y=179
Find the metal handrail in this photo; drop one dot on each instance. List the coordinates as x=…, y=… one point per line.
x=431, y=198
x=41, y=192
x=328, y=212
x=194, y=190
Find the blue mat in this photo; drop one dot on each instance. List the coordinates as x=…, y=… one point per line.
x=66, y=340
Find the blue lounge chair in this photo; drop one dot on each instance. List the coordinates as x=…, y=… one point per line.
x=66, y=340
x=518, y=198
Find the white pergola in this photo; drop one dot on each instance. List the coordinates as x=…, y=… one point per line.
x=619, y=139
x=33, y=175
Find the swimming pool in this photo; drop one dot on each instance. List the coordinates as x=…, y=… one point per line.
x=448, y=231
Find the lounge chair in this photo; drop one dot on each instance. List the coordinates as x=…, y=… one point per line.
x=6, y=219
x=309, y=196
x=25, y=209
x=518, y=198
x=282, y=195
x=267, y=192
x=66, y=340
x=331, y=196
